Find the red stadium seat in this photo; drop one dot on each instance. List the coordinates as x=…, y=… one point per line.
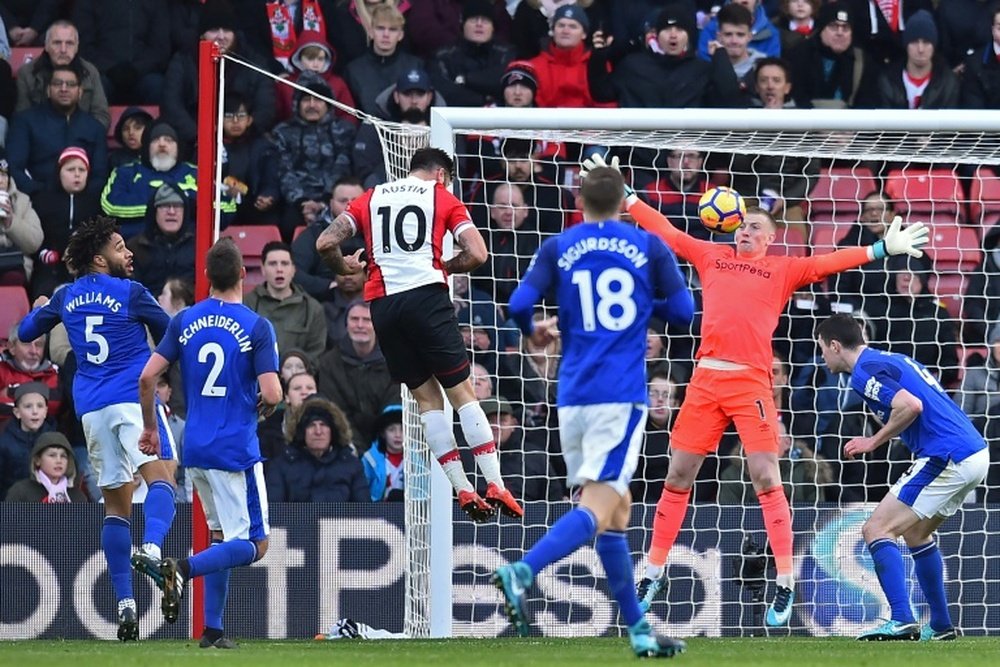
x=928, y=194
x=825, y=235
x=13, y=306
x=251, y=239
x=950, y=288
x=984, y=196
x=116, y=113
x=21, y=56
x=789, y=241
x=954, y=248
x=838, y=193
x=298, y=230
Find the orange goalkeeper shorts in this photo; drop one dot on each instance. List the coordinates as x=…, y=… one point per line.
x=716, y=397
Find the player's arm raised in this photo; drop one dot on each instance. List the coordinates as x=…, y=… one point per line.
x=149, y=439
x=905, y=409
x=898, y=241
x=328, y=247
x=472, y=253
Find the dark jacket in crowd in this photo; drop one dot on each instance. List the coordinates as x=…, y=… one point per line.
x=370, y=74
x=480, y=67
x=252, y=161
x=942, y=92
x=882, y=43
x=158, y=256
x=33, y=81
x=60, y=213
x=15, y=452
x=981, y=81
x=981, y=305
x=814, y=87
x=122, y=154
x=124, y=38
x=964, y=26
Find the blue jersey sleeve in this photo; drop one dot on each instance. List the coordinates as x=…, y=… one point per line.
x=42, y=320
x=169, y=346
x=538, y=279
x=877, y=382
x=148, y=311
x=265, y=347
x=674, y=302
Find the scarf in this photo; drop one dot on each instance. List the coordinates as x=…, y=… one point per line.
x=283, y=35
x=890, y=10
x=58, y=491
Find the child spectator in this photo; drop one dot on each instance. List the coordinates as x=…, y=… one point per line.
x=383, y=461
x=31, y=411
x=52, y=476
x=249, y=169
x=129, y=129
x=314, y=54
x=796, y=21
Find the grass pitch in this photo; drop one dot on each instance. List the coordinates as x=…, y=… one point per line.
x=794, y=652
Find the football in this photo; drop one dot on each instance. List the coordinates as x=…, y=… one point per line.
x=722, y=210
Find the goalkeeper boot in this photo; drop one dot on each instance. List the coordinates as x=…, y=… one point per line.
x=892, y=631
x=149, y=565
x=173, y=589
x=781, y=607
x=929, y=634
x=513, y=580
x=646, y=590
x=648, y=644
x=472, y=504
x=128, y=621
x=503, y=501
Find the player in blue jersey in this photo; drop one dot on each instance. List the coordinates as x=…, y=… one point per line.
x=227, y=353
x=106, y=317
x=951, y=460
x=609, y=278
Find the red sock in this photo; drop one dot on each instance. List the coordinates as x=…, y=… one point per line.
x=670, y=511
x=778, y=522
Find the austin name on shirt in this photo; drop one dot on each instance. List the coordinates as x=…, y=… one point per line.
x=612, y=244
x=218, y=322
x=94, y=298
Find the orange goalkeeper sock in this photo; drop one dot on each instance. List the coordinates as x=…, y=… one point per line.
x=670, y=511
x=778, y=522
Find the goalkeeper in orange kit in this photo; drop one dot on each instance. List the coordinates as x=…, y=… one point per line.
x=744, y=292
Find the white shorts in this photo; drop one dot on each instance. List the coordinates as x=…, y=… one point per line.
x=601, y=443
x=112, y=435
x=933, y=487
x=235, y=503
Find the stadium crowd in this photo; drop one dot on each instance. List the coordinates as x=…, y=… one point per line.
x=101, y=119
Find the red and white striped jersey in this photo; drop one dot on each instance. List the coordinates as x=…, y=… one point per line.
x=403, y=224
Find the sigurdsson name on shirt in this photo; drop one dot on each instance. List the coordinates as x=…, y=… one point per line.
x=95, y=298
x=218, y=322
x=610, y=244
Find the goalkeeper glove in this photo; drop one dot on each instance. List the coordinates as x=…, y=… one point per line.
x=898, y=241
x=595, y=161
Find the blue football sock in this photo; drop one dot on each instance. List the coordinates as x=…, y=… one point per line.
x=617, y=561
x=222, y=556
x=216, y=592
x=158, y=510
x=892, y=577
x=573, y=530
x=929, y=569
x=116, y=540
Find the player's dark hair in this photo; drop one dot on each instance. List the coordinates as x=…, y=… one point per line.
x=429, y=159
x=234, y=100
x=224, y=264
x=273, y=246
x=734, y=14
x=841, y=328
x=88, y=241
x=602, y=192
x=347, y=180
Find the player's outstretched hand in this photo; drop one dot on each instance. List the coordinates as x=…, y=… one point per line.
x=910, y=240
x=149, y=442
x=354, y=263
x=595, y=161
x=859, y=446
x=545, y=331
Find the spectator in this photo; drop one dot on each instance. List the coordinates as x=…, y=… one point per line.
x=60, y=209
x=979, y=393
x=294, y=362
x=52, y=478
x=313, y=151
x=531, y=28
x=166, y=247
x=678, y=189
x=165, y=395
x=353, y=18
x=966, y=27
x=865, y=288
x=765, y=36
x=733, y=37
x=129, y=130
x=20, y=231
x=27, y=20
x=313, y=54
x=796, y=22
x=383, y=462
x=512, y=240
x=349, y=288
x=384, y=61
x=651, y=471
x=981, y=305
x=276, y=430
x=530, y=374
x=664, y=71
x=519, y=84
x=829, y=71
x=478, y=326
x=311, y=272
x=129, y=43
x=879, y=26
x=39, y=134
x=981, y=79
x=25, y=362
x=176, y=295
x=297, y=317
x=30, y=412
x=62, y=46
x=319, y=465
x=217, y=23
x=922, y=80
x=482, y=383
x=561, y=68
x=467, y=73
x=434, y=24
x=354, y=374
x=250, y=166
x=275, y=29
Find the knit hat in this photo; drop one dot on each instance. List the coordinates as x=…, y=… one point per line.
x=838, y=11
x=522, y=72
x=574, y=13
x=167, y=195
x=162, y=128
x=217, y=14
x=474, y=8
x=676, y=15
x=413, y=79
x=31, y=388
x=920, y=26
x=55, y=439
x=74, y=152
